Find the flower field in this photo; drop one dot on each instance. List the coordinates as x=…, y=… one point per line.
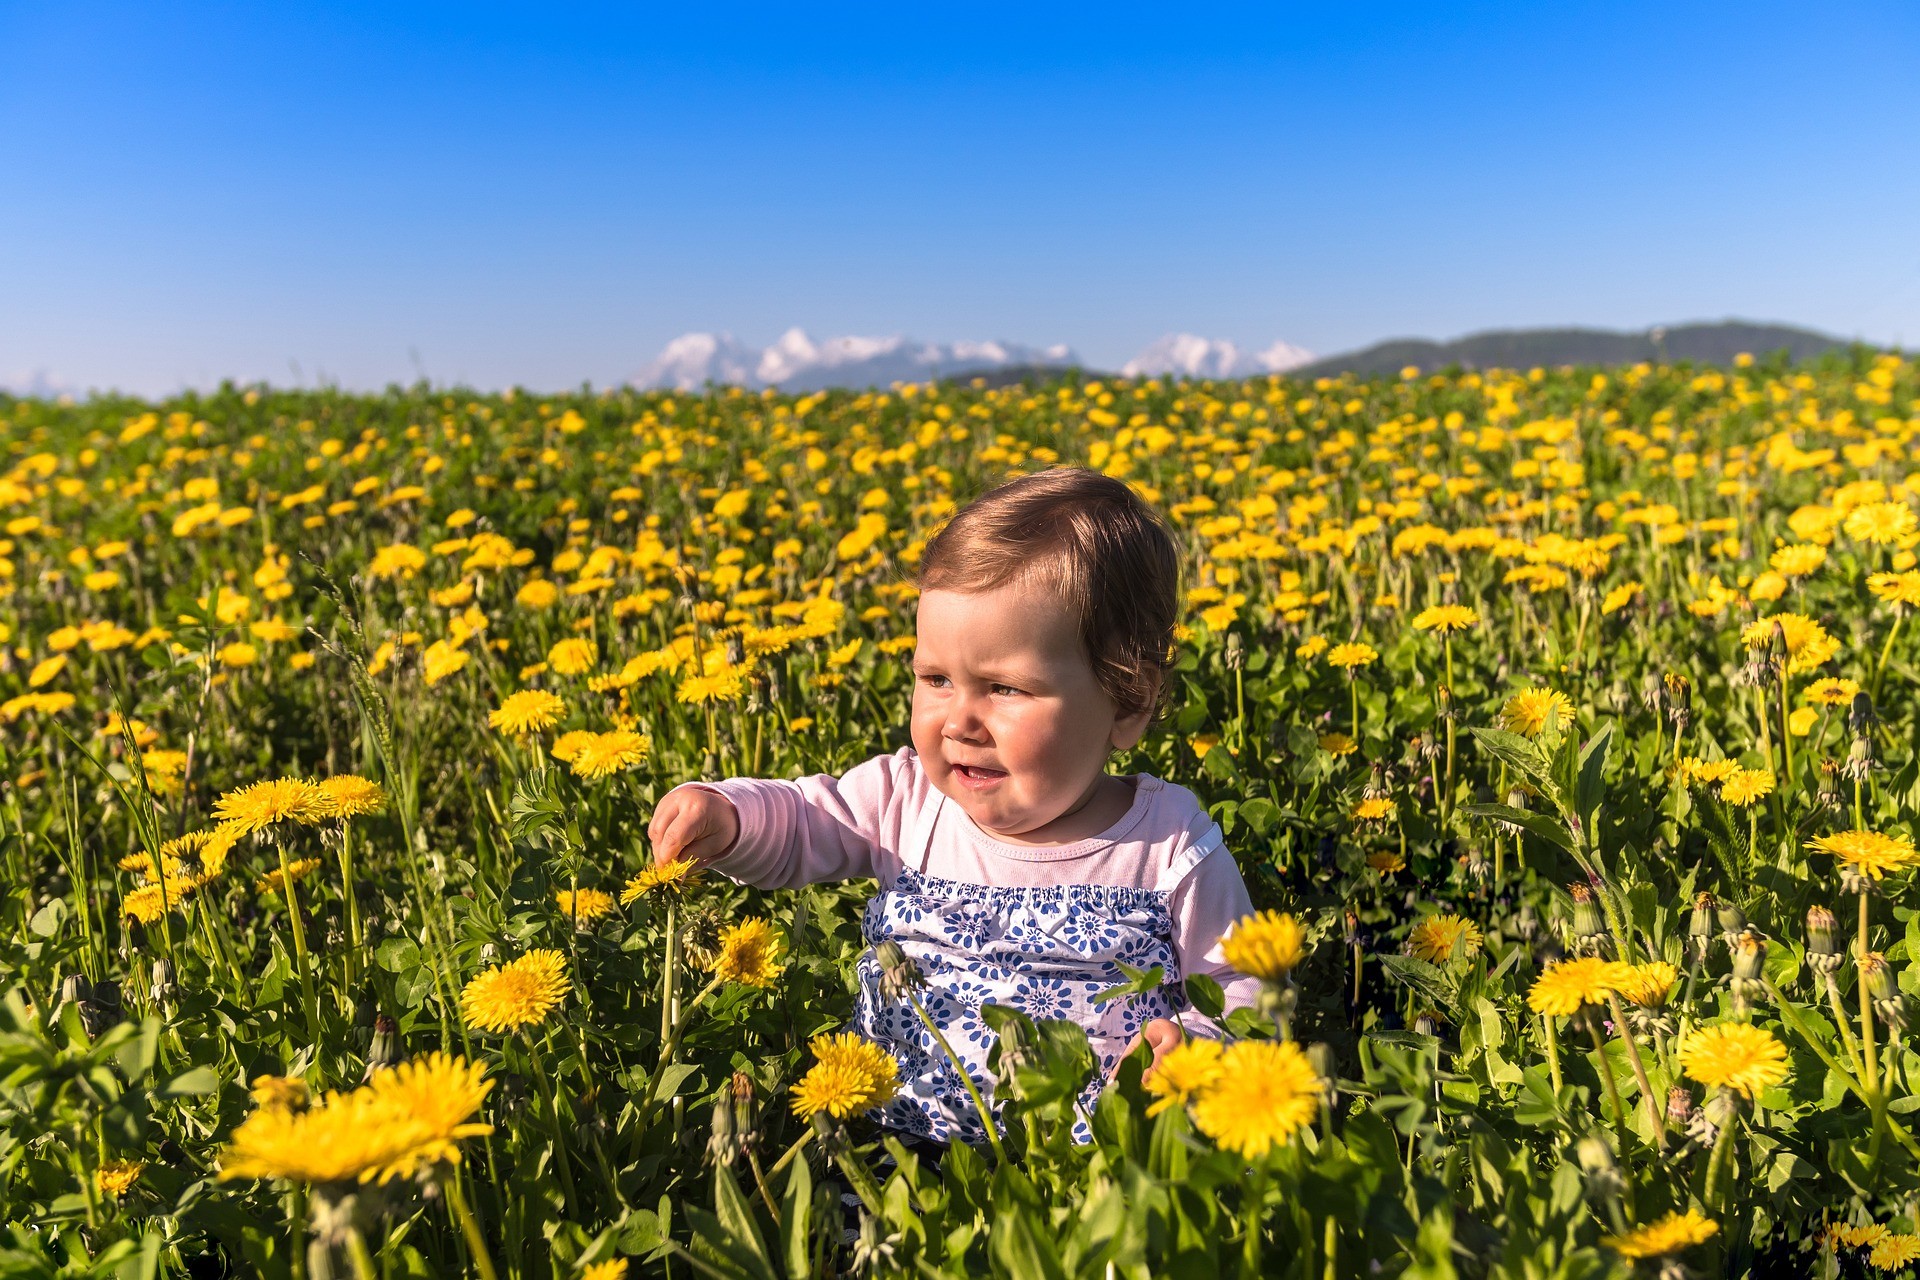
x=1563, y=724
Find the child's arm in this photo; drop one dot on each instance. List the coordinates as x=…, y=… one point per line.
x=1204, y=906
x=776, y=834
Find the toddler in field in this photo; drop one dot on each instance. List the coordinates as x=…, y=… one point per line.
x=1013, y=868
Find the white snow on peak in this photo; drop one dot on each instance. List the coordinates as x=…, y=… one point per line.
x=1190, y=356
x=796, y=362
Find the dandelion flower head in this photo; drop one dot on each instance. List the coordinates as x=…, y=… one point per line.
x=518, y=994
x=1266, y=944
x=1734, y=1055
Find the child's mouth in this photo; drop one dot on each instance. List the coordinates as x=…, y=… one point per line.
x=975, y=776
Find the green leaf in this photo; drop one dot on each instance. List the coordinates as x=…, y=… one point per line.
x=1590, y=789
x=736, y=1216
x=1140, y=982
x=796, y=1212
x=191, y=1083
x=47, y=920
x=1020, y=1249
x=1205, y=995
x=1259, y=813
x=1545, y=826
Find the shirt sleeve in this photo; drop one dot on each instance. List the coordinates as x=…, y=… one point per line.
x=820, y=828
x=1204, y=906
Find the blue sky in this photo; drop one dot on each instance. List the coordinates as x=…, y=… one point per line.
x=545, y=194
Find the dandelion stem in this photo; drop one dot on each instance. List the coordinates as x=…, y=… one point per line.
x=559, y=1135
x=1250, y=1221
x=1639, y=1070
x=363, y=1268
x=1553, y=1056
x=469, y=1228
x=354, y=935
x=292, y=896
x=1880, y=667
x=1866, y=1005
x=1613, y=1097
x=792, y=1151
x=1717, y=1163
x=973, y=1090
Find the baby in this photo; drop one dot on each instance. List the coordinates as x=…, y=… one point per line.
x=1013, y=868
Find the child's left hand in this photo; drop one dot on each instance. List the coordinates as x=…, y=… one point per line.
x=1161, y=1035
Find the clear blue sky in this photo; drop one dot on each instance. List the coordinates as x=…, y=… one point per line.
x=545, y=194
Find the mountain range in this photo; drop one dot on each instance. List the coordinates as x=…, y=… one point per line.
x=1716, y=343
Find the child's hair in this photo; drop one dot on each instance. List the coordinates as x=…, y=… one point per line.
x=1089, y=539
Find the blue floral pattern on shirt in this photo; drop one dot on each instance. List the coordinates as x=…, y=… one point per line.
x=1044, y=951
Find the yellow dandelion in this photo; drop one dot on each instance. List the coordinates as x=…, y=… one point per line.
x=567, y=745
x=1880, y=522
x=263, y=804
x=1671, y=1234
x=1891, y=1252
x=518, y=994
x=727, y=686
x=1648, y=985
x=281, y=1093
x=1373, y=809
x=116, y=1177
x=662, y=877
x=1350, y=656
x=1902, y=589
x=1266, y=1093
x=1527, y=712
x=1435, y=937
x=1747, y=786
x=612, y=1269
x=1798, y=559
x=602, y=755
x=297, y=870
x=572, y=656
x=348, y=795
x=1831, y=691
x=528, y=711
x=1338, y=744
x=749, y=954
x=1734, y=1055
x=1808, y=644
x=1868, y=852
x=584, y=905
x=1566, y=987
x=1183, y=1073
x=1266, y=944
x=850, y=1075
x=1386, y=861
x=1445, y=618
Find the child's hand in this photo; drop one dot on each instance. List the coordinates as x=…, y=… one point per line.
x=692, y=823
x=1161, y=1036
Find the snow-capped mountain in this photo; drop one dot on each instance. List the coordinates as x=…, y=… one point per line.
x=1190, y=356
x=35, y=384
x=796, y=362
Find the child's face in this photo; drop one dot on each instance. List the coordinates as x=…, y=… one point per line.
x=1008, y=718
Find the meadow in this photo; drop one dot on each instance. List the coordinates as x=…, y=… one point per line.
x=1562, y=722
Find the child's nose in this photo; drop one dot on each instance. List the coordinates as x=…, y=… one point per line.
x=964, y=722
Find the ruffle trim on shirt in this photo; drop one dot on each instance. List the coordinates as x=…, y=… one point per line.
x=1108, y=897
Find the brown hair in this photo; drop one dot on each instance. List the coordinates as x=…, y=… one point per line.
x=1091, y=540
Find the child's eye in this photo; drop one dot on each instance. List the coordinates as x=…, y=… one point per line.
x=930, y=678
x=1002, y=688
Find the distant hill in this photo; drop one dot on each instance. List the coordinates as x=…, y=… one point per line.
x=1527, y=348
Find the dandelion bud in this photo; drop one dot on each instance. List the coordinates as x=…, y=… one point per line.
x=1859, y=758
x=1653, y=694
x=1823, y=951
x=389, y=1048
x=101, y=1010
x=736, y=649
x=722, y=1142
x=1732, y=920
x=1443, y=695
x=74, y=988
x=1860, y=716
x=1721, y=1107
x=1679, y=1106
x=746, y=1110
x=163, y=988
x=1829, y=796
x=1596, y=1162
x=1587, y=922
x=900, y=977
x=1878, y=975
x=1236, y=652
x=1749, y=956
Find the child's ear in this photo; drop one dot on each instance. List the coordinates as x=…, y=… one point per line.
x=1129, y=728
